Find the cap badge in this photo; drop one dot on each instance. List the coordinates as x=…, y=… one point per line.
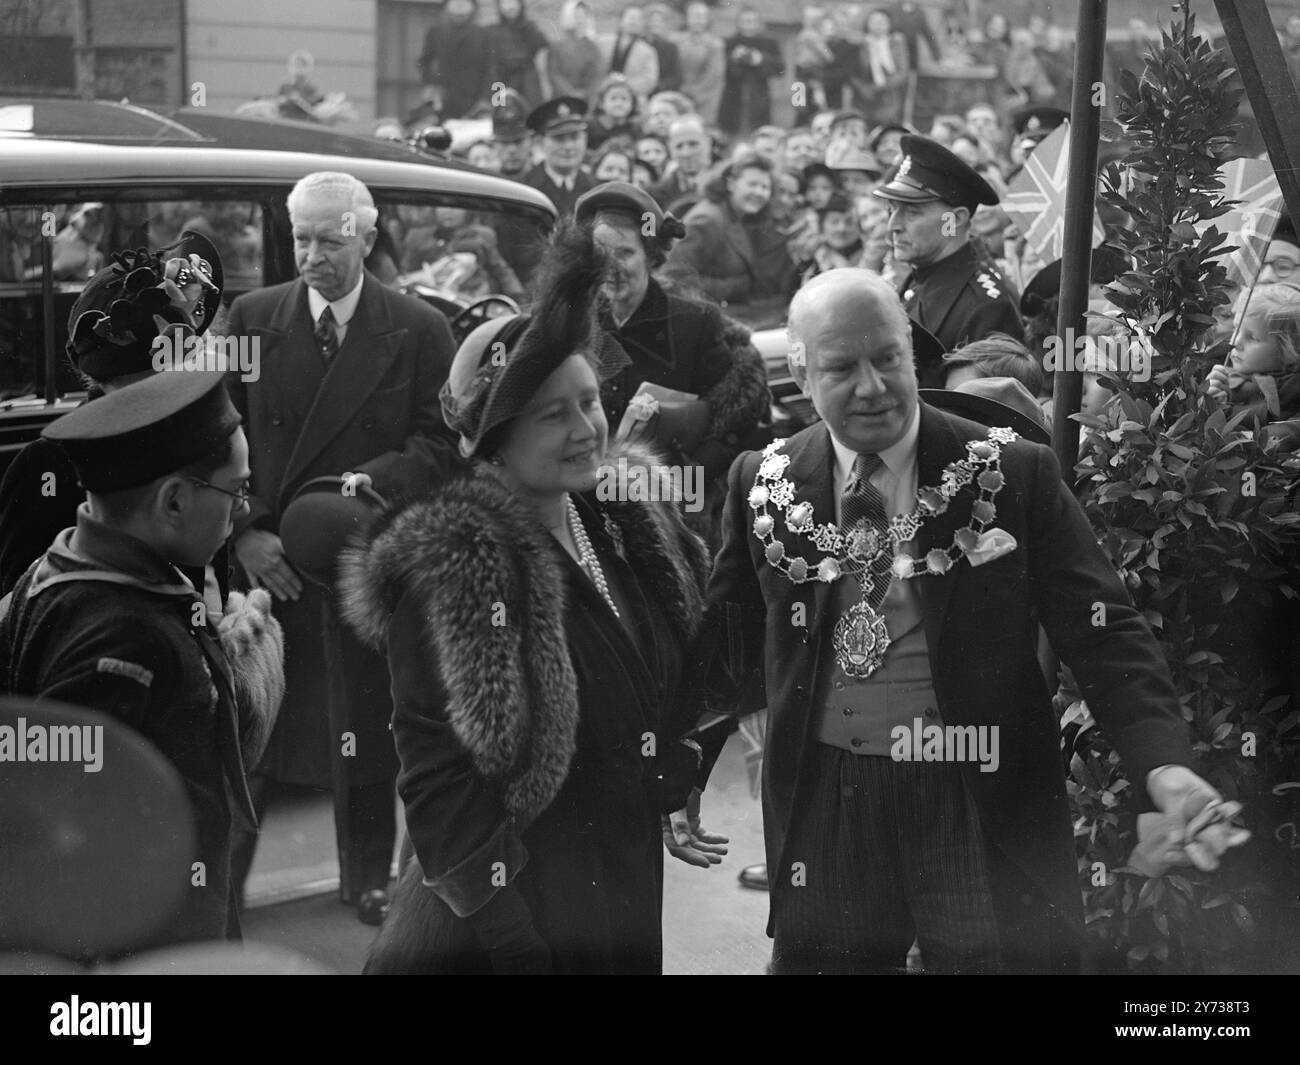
x=904, y=166
x=563, y=111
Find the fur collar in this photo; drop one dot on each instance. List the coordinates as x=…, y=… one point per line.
x=512, y=697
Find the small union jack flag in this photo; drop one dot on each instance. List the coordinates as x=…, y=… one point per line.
x=1251, y=222
x=1035, y=199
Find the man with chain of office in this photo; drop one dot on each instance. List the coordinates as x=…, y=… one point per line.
x=880, y=588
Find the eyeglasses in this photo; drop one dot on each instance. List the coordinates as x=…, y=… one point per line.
x=241, y=496
x=1283, y=267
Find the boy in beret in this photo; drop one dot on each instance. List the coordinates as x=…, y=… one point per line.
x=106, y=619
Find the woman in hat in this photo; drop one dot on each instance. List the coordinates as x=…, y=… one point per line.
x=668, y=339
x=735, y=247
x=535, y=620
x=112, y=328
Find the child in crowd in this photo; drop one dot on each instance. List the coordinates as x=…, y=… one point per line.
x=652, y=149
x=819, y=185
x=1264, y=375
x=614, y=114
x=613, y=164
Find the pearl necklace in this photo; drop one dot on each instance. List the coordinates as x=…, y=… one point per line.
x=587, y=557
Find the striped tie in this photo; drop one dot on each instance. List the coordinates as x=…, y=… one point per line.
x=327, y=334
x=863, y=503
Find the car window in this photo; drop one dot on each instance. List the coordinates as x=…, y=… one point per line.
x=448, y=250
x=460, y=250
x=84, y=235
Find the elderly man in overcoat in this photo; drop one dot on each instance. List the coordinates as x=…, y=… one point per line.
x=883, y=576
x=349, y=380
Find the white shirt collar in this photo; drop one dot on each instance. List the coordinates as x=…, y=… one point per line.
x=561, y=181
x=899, y=458
x=344, y=307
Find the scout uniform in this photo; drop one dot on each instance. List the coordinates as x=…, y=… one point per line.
x=105, y=622
x=959, y=298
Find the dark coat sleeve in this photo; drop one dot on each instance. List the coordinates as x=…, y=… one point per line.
x=429, y=454
x=1093, y=625
x=704, y=250
x=732, y=377
x=30, y=516
x=455, y=817
x=726, y=661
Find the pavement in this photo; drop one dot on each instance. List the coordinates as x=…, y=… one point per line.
x=711, y=924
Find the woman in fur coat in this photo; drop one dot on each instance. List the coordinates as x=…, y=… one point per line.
x=535, y=627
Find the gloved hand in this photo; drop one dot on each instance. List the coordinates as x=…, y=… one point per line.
x=504, y=928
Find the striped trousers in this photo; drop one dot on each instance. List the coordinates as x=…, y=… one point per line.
x=882, y=853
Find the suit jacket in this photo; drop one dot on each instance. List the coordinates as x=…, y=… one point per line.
x=981, y=626
x=373, y=410
x=564, y=199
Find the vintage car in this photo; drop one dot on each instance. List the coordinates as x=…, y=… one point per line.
x=461, y=238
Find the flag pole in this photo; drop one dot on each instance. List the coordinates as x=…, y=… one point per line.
x=1080, y=204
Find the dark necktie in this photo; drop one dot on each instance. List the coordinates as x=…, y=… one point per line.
x=327, y=334
x=862, y=503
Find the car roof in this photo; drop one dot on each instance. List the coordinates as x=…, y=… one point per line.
x=30, y=164
x=94, y=120
x=280, y=134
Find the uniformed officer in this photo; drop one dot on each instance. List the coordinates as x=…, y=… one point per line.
x=106, y=619
x=561, y=123
x=510, y=134
x=957, y=297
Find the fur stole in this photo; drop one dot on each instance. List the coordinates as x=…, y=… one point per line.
x=511, y=691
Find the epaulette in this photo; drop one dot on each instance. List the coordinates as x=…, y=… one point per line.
x=989, y=282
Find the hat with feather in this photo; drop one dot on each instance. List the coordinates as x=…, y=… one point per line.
x=500, y=366
x=140, y=296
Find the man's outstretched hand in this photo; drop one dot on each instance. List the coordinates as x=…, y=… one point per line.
x=686, y=841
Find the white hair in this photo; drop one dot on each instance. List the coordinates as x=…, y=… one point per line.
x=337, y=186
x=815, y=298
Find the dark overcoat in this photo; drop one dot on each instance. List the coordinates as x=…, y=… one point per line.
x=741, y=263
x=981, y=626
x=373, y=410
x=527, y=720
x=747, y=91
